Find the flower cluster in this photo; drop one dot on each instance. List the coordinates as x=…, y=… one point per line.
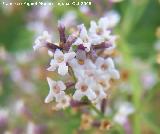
x=80, y=58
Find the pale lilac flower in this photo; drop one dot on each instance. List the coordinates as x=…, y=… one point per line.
x=33, y=128
x=83, y=39
x=63, y=102
x=83, y=88
x=87, y=69
x=56, y=90
x=43, y=12
x=20, y=108
x=85, y=9
x=30, y=128
x=69, y=19
x=87, y=64
x=18, y=77
x=60, y=60
x=148, y=80
x=50, y=53
x=99, y=33
x=103, y=80
x=107, y=66
x=36, y=26
x=99, y=91
x=113, y=18
x=42, y=40
x=4, y=115
x=125, y=109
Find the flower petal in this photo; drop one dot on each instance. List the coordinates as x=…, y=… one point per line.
x=51, y=83
x=109, y=62
x=103, y=23
x=90, y=94
x=53, y=65
x=87, y=46
x=99, y=61
x=78, y=41
x=62, y=69
x=58, y=53
x=49, y=97
x=78, y=95
x=61, y=85
x=59, y=96
x=69, y=56
x=83, y=32
x=93, y=27
x=114, y=74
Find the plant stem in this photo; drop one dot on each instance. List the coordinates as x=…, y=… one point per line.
x=96, y=110
x=134, y=80
x=72, y=73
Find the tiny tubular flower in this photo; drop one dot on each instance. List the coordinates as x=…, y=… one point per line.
x=103, y=80
x=105, y=125
x=86, y=121
x=60, y=61
x=113, y=18
x=83, y=88
x=56, y=90
x=125, y=109
x=100, y=32
x=42, y=40
x=87, y=69
x=83, y=39
x=99, y=91
x=63, y=102
x=4, y=116
x=107, y=66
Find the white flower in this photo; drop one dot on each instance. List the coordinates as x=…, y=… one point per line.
x=103, y=80
x=113, y=18
x=43, y=12
x=83, y=88
x=19, y=106
x=87, y=69
x=50, y=53
x=69, y=19
x=36, y=26
x=83, y=39
x=60, y=61
x=30, y=128
x=125, y=109
x=148, y=79
x=112, y=40
x=107, y=66
x=63, y=102
x=87, y=64
x=99, y=33
x=4, y=113
x=42, y=40
x=99, y=91
x=56, y=90
x=85, y=9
